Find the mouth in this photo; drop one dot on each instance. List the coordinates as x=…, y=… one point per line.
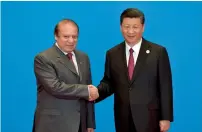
x=131, y=37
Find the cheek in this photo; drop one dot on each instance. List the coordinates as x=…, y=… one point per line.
x=124, y=31
x=124, y=34
x=75, y=42
x=62, y=40
x=139, y=33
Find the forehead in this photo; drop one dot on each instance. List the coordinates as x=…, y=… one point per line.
x=131, y=21
x=67, y=28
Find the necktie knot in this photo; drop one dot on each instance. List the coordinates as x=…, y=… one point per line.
x=69, y=55
x=131, y=50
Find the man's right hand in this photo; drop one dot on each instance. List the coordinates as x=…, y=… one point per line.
x=93, y=93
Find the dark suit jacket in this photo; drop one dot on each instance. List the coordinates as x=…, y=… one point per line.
x=148, y=94
x=62, y=93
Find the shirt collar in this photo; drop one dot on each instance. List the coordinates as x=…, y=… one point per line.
x=64, y=51
x=136, y=47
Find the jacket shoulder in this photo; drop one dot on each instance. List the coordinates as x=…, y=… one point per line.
x=48, y=53
x=82, y=53
x=153, y=45
x=116, y=48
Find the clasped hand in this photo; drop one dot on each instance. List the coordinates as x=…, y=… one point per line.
x=93, y=93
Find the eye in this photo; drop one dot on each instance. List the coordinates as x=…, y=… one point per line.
x=135, y=27
x=66, y=37
x=126, y=26
x=74, y=36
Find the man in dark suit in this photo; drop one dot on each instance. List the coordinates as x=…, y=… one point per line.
x=138, y=73
x=63, y=78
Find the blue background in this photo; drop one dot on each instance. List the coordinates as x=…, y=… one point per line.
x=27, y=29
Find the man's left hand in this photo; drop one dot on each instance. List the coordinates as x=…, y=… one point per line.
x=164, y=125
x=90, y=129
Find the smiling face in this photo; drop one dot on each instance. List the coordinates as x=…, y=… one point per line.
x=67, y=36
x=132, y=30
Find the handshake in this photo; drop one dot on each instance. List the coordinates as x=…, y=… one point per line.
x=93, y=93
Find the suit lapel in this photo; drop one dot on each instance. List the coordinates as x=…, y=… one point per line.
x=123, y=59
x=143, y=53
x=62, y=58
x=80, y=64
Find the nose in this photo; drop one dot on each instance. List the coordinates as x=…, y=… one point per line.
x=71, y=39
x=131, y=30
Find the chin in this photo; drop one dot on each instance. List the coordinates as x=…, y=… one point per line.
x=133, y=42
x=130, y=42
x=68, y=51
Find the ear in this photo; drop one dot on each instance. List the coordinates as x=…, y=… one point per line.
x=120, y=28
x=143, y=28
x=56, y=38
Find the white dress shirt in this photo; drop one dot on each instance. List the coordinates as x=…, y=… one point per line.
x=136, y=49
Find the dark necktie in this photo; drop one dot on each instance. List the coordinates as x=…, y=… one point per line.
x=69, y=55
x=131, y=64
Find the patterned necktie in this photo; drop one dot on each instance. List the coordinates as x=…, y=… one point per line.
x=131, y=64
x=69, y=55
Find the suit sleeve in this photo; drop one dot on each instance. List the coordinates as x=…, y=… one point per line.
x=90, y=105
x=46, y=75
x=105, y=88
x=165, y=85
